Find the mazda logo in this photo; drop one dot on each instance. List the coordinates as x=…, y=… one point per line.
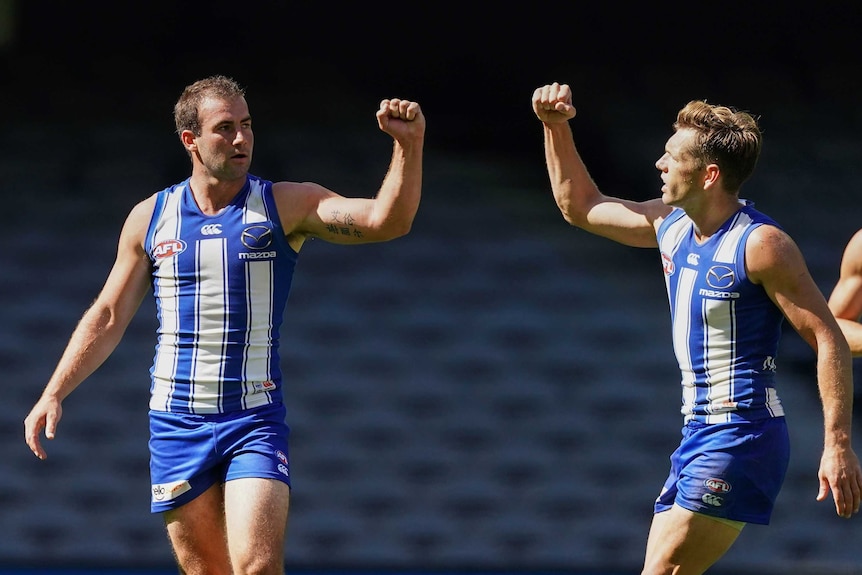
x=256, y=237
x=720, y=277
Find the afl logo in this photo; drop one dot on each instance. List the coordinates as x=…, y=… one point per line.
x=720, y=277
x=667, y=264
x=256, y=237
x=717, y=485
x=168, y=248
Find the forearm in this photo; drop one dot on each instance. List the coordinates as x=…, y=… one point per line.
x=397, y=201
x=571, y=183
x=94, y=339
x=835, y=383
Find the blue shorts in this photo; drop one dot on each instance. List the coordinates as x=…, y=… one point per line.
x=191, y=453
x=728, y=470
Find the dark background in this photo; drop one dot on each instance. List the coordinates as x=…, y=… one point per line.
x=455, y=396
x=472, y=65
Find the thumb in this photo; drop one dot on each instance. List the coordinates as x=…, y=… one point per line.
x=824, y=489
x=50, y=426
x=565, y=108
x=382, y=119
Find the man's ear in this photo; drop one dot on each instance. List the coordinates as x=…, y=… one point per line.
x=710, y=176
x=189, y=140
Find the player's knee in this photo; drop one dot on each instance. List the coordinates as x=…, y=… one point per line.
x=256, y=562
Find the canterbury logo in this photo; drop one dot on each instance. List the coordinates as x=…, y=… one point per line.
x=211, y=230
x=712, y=499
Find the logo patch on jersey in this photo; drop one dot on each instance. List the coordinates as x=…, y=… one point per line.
x=279, y=454
x=720, y=277
x=256, y=237
x=168, y=248
x=717, y=294
x=169, y=491
x=257, y=255
x=717, y=485
x=211, y=230
x=693, y=259
x=712, y=499
x=667, y=264
x=264, y=385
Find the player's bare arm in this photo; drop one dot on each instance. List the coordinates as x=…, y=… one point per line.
x=578, y=197
x=310, y=210
x=99, y=330
x=775, y=262
x=845, y=301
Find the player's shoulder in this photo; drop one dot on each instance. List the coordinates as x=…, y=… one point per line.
x=769, y=231
x=144, y=207
x=302, y=196
x=851, y=259
x=769, y=235
x=769, y=247
x=855, y=242
x=286, y=187
x=141, y=213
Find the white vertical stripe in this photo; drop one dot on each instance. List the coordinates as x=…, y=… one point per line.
x=212, y=308
x=678, y=231
x=167, y=292
x=255, y=208
x=720, y=340
x=166, y=358
x=260, y=325
x=682, y=333
x=259, y=295
x=726, y=252
x=720, y=324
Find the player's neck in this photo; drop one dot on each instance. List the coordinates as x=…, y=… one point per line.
x=709, y=220
x=213, y=195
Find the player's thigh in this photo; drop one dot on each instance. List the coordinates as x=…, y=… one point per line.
x=256, y=511
x=686, y=541
x=198, y=536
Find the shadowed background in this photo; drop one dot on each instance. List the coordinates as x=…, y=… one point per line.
x=495, y=391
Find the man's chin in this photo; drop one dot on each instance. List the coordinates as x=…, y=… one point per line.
x=237, y=173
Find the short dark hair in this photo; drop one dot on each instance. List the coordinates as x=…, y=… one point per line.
x=725, y=136
x=187, y=108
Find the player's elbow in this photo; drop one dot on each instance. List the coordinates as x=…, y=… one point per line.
x=574, y=217
x=399, y=224
x=400, y=229
x=389, y=230
x=569, y=217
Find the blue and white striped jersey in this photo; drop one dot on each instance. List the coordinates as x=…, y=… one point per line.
x=726, y=330
x=221, y=284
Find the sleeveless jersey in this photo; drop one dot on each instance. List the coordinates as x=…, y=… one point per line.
x=221, y=284
x=726, y=330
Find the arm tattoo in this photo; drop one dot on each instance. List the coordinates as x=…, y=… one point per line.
x=343, y=225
